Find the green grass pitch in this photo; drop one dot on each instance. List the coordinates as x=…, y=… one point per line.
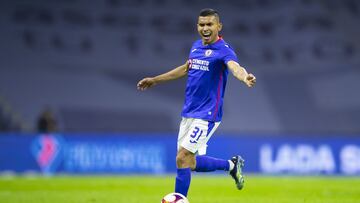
x=203, y=189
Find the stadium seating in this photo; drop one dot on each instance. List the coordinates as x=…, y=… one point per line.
x=84, y=58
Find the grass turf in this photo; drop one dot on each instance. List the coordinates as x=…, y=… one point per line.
x=203, y=189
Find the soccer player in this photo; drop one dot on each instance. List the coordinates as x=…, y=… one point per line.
x=207, y=68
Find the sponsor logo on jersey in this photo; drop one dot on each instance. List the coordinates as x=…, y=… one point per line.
x=197, y=64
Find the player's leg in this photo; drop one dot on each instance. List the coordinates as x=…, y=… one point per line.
x=185, y=162
x=193, y=137
x=207, y=163
x=234, y=166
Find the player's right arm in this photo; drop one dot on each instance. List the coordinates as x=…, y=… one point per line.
x=176, y=73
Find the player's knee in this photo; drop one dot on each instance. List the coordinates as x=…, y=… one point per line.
x=185, y=159
x=181, y=160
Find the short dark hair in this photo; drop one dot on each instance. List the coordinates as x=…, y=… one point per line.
x=208, y=12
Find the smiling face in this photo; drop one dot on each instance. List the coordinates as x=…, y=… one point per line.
x=209, y=28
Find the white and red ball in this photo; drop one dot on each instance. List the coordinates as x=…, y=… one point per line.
x=174, y=198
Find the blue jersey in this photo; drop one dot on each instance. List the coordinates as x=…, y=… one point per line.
x=207, y=76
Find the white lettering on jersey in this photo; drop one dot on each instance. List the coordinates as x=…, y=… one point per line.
x=197, y=64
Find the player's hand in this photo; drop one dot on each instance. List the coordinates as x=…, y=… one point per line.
x=145, y=83
x=250, y=80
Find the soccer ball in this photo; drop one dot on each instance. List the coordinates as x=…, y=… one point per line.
x=174, y=198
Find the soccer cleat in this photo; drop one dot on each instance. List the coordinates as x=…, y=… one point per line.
x=236, y=172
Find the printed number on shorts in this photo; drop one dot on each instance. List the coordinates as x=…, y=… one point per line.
x=196, y=134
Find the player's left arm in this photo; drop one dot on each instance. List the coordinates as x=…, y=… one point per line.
x=241, y=74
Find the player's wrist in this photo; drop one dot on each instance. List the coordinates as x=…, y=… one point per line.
x=154, y=80
x=244, y=76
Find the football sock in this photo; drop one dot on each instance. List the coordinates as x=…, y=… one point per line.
x=182, y=182
x=207, y=164
x=231, y=165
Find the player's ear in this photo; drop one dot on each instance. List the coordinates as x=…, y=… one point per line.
x=220, y=26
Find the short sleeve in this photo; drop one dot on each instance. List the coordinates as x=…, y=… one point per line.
x=229, y=54
x=194, y=47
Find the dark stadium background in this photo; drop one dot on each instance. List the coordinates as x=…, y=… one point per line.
x=82, y=59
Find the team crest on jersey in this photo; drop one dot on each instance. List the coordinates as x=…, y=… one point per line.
x=208, y=52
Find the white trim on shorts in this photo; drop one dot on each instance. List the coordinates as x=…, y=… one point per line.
x=193, y=134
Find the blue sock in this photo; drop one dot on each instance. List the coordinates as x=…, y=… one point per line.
x=182, y=182
x=207, y=164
